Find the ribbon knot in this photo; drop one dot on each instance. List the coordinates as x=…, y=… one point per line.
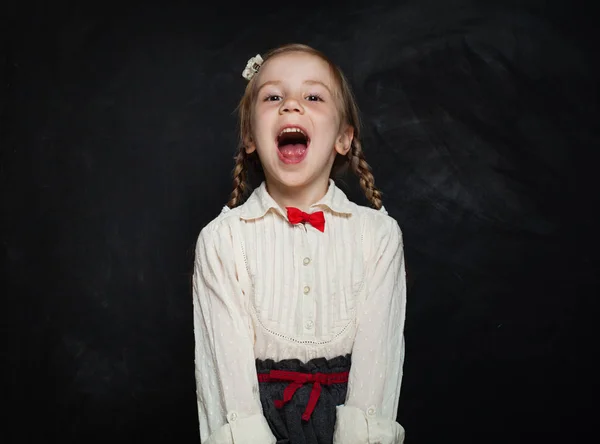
x=297, y=380
x=316, y=219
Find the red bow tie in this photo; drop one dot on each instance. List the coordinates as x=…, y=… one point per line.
x=297, y=216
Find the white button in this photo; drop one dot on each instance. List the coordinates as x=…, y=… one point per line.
x=371, y=411
x=309, y=325
x=306, y=261
x=232, y=416
x=306, y=289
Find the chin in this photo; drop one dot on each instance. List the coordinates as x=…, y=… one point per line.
x=293, y=180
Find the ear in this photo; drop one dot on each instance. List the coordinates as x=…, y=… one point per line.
x=344, y=140
x=249, y=145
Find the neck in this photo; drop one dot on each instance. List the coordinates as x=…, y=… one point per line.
x=301, y=197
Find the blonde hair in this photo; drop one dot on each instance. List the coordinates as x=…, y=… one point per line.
x=355, y=159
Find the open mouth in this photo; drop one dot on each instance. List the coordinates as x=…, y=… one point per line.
x=292, y=143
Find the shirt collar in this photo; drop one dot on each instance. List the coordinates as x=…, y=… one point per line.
x=260, y=203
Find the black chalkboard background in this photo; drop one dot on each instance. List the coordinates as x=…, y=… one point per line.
x=118, y=131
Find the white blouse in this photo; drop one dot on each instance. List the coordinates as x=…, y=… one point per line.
x=264, y=288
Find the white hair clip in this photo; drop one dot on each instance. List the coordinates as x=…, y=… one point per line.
x=252, y=67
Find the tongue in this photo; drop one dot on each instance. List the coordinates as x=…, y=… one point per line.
x=292, y=150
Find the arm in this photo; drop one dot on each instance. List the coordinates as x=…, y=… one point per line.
x=229, y=408
x=369, y=414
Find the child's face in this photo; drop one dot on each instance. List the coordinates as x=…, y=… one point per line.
x=297, y=91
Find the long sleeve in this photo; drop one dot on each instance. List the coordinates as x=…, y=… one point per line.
x=369, y=413
x=229, y=408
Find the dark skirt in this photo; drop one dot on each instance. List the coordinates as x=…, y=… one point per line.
x=286, y=422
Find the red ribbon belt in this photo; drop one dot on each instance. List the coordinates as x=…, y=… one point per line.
x=297, y=380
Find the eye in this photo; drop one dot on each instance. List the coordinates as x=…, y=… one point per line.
x=314, y=98
x=272, y=98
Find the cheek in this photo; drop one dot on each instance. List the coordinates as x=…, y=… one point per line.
x=334, y=116
x=328, y=116
x=334, y=123
x=256, y=126
x=261, y=117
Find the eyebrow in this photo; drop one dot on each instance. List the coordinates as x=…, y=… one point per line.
x=307, y=82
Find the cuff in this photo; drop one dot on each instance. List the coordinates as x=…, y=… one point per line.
x=353, y=426
x=249, y=430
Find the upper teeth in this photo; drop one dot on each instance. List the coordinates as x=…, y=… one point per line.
x=292, y=130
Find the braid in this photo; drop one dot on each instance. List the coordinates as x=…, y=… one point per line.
x=361, y=168
x=239, y=179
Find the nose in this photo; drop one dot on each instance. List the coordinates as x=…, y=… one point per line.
x=291, y=105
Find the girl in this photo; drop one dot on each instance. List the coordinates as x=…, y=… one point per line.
x=299, y=294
